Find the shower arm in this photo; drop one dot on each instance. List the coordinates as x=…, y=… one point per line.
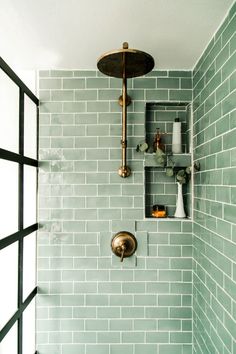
x=124, y=170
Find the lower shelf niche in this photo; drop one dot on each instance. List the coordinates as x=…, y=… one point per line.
x=161, y=189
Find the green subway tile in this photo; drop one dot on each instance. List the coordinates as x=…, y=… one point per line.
x=117, y=275
x=169, y=251
x=132, y=337
x=97, y=83
x=84, y=190
x=62, y=95
x=60, y=312
x=85, y=95
x=168, y=83
x=144, y=83
x=61, y=73
x=120, y=325
x=108, y=94
x=85, y=263
x=44, y=95
x=169, y=226
x=72, y=349
x=178, y=312
x=110, y=190
x=96, y=130
x=160, y=94
x=73, y=275
x=133, y=288
x=157, y=287
x=73, y=130
x=145, y=348
x=96, y=300
x=157, y=337
x=229, y=176
x=70, y=251
x=60, y=337
x=49, y=348
x=228, y=104
x=73, y=107
x=121, y=348
x=109, y=287
x=108, y=312
x=125, y=300
x=229, y=31
x=186, y=83
x=169, y=300
x=167, y=275
x=229, y=213
x=181, y=263
x=158, y=263
x=51, y=107
x=84, y=337
x=72, y=300
x=84, y=73
x=169, y=325
x=132, y=312
x=62, y=119
x=50, y=83
x=179, y=73
x=145, y=300
x=144, y=325
x=97, y=202
x=177, y=337
x=84, y=312
x=109, y=337
x=181, y=95
x=73, y=83
x=96, y=349
x=228, y=140
x=85, y=214
x=96, y=106
x=156, y=312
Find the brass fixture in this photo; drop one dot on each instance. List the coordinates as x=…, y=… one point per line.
x=123, y=244
x=125, y=63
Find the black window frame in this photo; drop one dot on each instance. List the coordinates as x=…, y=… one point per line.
x=22, y=232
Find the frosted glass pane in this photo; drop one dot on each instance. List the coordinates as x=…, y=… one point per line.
x=29, y=264
x=29, y=329
x=9, y=342
x=8, y=281
x=9, y=114
x=30, y=191
x=8, y=198
x=30, y=128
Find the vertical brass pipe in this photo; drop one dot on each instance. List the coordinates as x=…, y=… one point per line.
x=124, y=171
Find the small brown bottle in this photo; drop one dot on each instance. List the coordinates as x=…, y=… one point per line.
x=157, y=143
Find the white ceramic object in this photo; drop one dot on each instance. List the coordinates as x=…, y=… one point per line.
x=176, y=137
x=179, y=212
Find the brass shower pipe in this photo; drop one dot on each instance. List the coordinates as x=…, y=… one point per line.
x=125, y=63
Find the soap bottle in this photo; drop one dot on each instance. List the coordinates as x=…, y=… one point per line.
x=176, y=137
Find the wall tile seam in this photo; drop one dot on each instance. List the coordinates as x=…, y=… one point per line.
x=206, y=303
x=216, y=153
x=217, y=136
x=213, y=345
x=213, y=92
x=222, y=254
x=215, y=298
x=215, y=42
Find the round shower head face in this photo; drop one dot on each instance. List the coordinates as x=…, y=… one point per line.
x=125, y=63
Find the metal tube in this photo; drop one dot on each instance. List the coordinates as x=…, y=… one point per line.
x=124, y=171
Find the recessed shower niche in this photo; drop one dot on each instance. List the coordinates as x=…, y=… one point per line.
x=159, y=188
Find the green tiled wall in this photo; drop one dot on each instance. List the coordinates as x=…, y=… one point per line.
x=214, y=280
x=88, y=303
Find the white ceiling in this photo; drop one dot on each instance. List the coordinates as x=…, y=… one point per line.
x=40, y=34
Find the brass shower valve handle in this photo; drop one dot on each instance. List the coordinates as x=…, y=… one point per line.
x=123, y=244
